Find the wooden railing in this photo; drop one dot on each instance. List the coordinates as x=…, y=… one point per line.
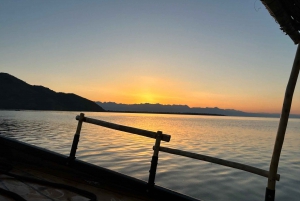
x=127, y=129
x=210, y=159
x=159, y=136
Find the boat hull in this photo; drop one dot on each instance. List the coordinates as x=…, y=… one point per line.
x=105, y=183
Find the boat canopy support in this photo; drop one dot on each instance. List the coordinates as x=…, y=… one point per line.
x=287, y=103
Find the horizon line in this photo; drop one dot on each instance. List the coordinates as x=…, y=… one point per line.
x=195, y=107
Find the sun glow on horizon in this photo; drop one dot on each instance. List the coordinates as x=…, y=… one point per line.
x=147, y=98
x=167, y=91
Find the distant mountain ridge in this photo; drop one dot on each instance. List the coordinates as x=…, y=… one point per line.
x=17, y=94
x=159, y=108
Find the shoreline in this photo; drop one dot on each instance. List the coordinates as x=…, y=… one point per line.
x=177, y=113
x=292, y=116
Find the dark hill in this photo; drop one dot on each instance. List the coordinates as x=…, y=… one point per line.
x=17, y=94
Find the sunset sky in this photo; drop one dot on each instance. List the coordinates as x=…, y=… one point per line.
x=226, y=54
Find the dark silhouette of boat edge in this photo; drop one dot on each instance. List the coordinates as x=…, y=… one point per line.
x=14, y=151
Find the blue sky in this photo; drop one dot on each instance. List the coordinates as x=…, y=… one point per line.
x=201, y=53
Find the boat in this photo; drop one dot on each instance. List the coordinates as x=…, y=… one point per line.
x=32, y=173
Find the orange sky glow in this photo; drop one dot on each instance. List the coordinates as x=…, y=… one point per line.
x=164, y=91
x=195, y=53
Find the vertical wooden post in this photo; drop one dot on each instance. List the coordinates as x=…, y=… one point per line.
x=154, y=161
x=270, y=191
x=76, y=139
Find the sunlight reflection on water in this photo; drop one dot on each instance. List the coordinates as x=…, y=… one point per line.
x=240, y=139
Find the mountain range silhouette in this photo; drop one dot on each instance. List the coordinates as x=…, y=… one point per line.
x=181, y=109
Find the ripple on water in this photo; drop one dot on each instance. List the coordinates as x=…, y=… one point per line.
x=243, y=140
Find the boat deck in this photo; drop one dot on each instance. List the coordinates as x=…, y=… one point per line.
x=40, y=192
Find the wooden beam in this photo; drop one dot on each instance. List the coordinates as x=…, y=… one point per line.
x=284, y=120
x=127, y=129
x=231, y=164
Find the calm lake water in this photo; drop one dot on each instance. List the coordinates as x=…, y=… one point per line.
x=240, y=139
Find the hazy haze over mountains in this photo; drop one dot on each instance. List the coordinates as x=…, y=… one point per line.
x=146, y=107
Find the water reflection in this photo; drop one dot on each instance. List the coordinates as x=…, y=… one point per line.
x=244, y=140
